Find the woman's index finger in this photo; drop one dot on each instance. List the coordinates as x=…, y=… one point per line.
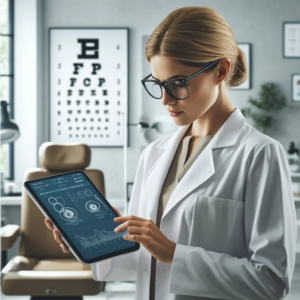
x=49, y=224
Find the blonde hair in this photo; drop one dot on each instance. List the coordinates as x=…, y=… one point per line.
x=196, y=35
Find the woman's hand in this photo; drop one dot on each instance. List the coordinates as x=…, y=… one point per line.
x=57, y=237
x=146, y=232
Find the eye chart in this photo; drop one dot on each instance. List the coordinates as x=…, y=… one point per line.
x=88, y=85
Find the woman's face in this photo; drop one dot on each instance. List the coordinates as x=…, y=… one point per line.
x=203, y=88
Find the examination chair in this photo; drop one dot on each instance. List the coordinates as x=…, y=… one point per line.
x=42, y=270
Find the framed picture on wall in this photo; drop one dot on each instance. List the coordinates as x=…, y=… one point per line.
x=296, y=87
x=291, y=39
x=88, y=85
x=246, y=48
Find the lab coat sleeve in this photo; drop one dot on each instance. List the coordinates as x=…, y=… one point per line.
x=270, y=230
x=124, y=267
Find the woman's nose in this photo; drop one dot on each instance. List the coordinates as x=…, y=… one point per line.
x=166, y=98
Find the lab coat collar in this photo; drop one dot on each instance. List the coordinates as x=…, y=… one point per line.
x=201, y=170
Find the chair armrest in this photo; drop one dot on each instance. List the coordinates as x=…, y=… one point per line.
x=9, y=235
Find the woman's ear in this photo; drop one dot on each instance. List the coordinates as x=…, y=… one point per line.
x=223, y=69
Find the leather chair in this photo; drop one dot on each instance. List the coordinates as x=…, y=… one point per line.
x=42, y=270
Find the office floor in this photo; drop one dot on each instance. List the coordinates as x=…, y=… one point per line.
x=126, y=291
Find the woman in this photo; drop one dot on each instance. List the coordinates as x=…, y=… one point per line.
x=212, y=204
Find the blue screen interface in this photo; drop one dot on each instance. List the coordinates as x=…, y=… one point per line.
x=82, y=213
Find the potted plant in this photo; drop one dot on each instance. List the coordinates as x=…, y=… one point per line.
x=268, y=101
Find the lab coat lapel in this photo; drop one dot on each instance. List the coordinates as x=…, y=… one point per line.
x=156, y=175
x=200, y=171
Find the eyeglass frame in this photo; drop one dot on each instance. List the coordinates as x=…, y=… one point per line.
x=183, y=80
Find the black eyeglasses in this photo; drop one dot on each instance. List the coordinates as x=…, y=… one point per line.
x=176, y=88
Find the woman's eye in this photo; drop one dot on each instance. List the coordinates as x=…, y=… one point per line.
x=177, y=84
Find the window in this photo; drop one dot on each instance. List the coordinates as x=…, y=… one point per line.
x=7, y=80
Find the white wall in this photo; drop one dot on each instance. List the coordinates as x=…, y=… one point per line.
x=27, y=84
x=256, y=22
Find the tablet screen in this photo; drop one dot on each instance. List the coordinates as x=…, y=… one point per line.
x=82, y=212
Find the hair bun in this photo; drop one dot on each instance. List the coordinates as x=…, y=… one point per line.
x=240, y=73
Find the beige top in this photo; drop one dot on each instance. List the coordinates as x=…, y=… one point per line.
x=178, y=168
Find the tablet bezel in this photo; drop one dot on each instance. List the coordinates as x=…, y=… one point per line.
x=64, y=236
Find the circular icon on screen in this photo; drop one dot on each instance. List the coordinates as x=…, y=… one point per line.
x=88, y=193
x=68, y=214
x=60, y=200
x=58, y=207
x=81, y=195
x=52, y=200
x=92, y=206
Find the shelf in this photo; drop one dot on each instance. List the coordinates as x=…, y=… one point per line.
x=17, y=200
x=295, y=174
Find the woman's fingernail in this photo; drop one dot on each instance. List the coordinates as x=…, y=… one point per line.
x=115, y=230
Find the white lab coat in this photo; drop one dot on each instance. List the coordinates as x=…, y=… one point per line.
x=232, y=217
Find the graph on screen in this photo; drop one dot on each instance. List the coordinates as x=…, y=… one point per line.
x=99, y=239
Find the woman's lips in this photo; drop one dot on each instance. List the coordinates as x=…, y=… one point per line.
x=175, y=114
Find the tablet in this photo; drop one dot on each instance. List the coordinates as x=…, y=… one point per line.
x=81, y=214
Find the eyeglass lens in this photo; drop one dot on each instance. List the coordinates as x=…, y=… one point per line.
x=153, y=89
x=175, y=87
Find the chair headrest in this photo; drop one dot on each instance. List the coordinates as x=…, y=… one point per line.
x=64, y=157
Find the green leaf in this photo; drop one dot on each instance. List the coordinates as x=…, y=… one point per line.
x=268, y=100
